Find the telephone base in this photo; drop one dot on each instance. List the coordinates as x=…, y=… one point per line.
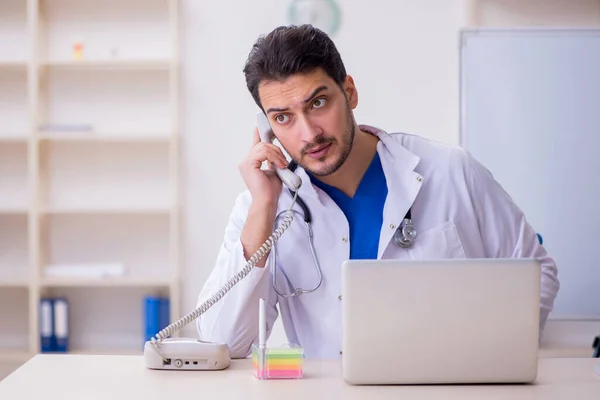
x=186, y=354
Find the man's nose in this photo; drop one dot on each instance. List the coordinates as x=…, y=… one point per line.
x=308, y=130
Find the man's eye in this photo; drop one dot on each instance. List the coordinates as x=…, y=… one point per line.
x=281, y=118
x=318, y=103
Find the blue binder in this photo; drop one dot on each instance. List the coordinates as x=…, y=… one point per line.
x=156, y=315
x=151, y=317
x=46, y=322
x=61, y=324
x=164, y=312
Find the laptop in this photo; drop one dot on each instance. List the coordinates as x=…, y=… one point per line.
x=450, y=321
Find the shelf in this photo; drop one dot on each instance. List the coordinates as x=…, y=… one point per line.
x=107, y=177
x=9, y=282
x=106, y=30
x=14, y=256
x=13, y=177
x=13, y=210
x=105, y=319
x=14, y=314
x=112, y=65
x=105, y=282
x=139, y=210
x=102, y=137
x=12, y=65
x=6, y=138
x=88, y=169
x=14, y=112
x=136, y=101
x=140, y=243
x=13, y=33
x=14, y=356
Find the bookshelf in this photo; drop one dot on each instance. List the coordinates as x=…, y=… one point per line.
x=116, y=65
x=89, y=179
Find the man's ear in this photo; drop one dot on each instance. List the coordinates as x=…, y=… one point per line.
x=350, y=92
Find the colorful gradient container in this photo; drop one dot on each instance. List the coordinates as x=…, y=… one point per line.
x=277, y=362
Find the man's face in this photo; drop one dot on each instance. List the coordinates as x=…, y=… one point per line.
x=312, y=119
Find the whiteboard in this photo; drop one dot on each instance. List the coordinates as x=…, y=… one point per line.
x=530, y=112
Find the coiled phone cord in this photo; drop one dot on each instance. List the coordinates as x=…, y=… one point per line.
x=251, y=263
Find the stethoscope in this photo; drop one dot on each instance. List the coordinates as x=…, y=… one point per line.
x=404, y=237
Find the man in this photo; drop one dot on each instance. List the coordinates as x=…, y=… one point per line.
x=358, y=183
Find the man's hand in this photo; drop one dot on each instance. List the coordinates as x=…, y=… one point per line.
x=264, y=185
x=265, y=188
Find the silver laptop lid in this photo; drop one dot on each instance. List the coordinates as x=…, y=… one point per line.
x=442, y=321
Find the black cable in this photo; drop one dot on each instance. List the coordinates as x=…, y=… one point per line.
x=299, y=201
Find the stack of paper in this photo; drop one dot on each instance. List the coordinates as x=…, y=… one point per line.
x=84, y=270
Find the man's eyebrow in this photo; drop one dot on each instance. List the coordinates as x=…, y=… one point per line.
x=276, y=109
x=315, y=92
x=309, y=98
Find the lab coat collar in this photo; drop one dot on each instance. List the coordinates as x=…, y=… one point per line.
x=403, y=182
x=398, y=154
x=396, y=161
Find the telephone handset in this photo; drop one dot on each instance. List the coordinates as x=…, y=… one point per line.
x=287, y=176
x=164, y=352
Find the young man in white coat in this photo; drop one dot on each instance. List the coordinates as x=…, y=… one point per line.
x=358, y=183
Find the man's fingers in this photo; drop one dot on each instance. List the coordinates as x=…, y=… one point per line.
x=266, y=151
x=270, y=153
x=277, y=157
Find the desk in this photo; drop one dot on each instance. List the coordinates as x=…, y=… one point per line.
x=125, y=377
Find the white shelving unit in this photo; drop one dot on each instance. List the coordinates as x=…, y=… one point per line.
x=89, y=157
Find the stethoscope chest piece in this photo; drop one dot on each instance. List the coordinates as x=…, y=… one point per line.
x=405, y=235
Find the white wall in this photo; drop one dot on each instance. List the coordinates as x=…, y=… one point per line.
x=402, y=54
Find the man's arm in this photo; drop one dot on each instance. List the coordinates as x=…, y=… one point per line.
x=234, y=319
x=506, y=233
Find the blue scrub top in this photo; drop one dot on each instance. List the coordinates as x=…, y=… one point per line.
x=364, y=211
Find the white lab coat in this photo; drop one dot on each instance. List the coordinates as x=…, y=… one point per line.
x=458, y=209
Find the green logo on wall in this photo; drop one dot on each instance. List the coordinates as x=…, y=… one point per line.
x=323, y=14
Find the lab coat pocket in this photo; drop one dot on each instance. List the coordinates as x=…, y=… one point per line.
x=441, y=241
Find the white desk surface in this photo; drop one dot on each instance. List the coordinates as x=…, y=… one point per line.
x=125, y=377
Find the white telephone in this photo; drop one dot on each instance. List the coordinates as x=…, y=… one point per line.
x=163, y=352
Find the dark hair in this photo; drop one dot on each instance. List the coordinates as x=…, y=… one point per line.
x=289, y=50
